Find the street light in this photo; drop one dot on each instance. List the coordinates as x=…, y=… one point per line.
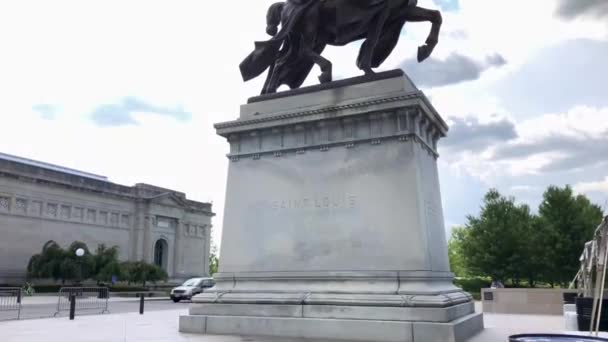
x=79, y=254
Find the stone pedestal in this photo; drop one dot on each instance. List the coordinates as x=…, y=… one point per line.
x=333, y=225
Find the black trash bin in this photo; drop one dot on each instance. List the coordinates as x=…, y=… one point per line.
x=584, y=308
x=570, y=297
x=554, y=338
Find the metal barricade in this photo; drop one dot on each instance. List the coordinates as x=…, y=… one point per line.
x=87, y=299
x=10, y=300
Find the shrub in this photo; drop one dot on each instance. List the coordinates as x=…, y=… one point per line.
x=473, y=285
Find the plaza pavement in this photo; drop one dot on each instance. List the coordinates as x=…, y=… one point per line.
x=162, y=326
x=38, y=307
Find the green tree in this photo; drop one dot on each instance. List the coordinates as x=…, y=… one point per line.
x=492, y=244
x=534, y=248
x=85, y=265
x=214, y=261
x=456, y=253
x=569, y=221
x=47, y=264
x=140, y=272
x=70, y=270
x=57, y=263
x=107, y=264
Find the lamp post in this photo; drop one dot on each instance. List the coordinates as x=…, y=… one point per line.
x=80, y=254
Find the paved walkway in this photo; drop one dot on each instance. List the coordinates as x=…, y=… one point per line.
x=162, y=326
x=46, y=307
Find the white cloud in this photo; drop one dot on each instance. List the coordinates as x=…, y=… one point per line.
x=552, y=149
x=601, y=186
x=79, y=55
x=580, y=122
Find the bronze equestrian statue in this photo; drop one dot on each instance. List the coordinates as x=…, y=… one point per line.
x=308, y=26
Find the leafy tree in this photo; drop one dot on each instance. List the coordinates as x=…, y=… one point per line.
x=569, y=222
x=84, y=265
x=107, y=264
x=63, y=264
x=534, y=248
x=141, y=272
x=456, y=253
x=70, y=269
x=214, y=261
x=47, y=264
x=492, y=244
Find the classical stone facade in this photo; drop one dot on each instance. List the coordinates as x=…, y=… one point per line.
x=41, y=202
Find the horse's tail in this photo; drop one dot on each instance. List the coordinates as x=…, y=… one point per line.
x=273, y=18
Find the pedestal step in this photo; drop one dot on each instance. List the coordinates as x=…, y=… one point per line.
x=379, y=313
x=335, y=329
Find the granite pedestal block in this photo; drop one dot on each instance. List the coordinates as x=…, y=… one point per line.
x=333, y=224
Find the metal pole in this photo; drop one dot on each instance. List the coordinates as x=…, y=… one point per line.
x=19, y=303
x=603, y=280
x=141, y=303
x=72, y=306
x=596, y=294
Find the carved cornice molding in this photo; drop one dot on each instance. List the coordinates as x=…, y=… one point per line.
x=401, y=124
x=278, y=153
x=337, y=108
x=61, y=211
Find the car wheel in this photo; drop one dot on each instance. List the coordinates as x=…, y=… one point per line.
x=176, y=300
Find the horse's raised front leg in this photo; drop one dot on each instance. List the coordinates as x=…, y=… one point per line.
x=422, y=14
x=364, y=61
x=322, y=62
x=325, y=65
x=310, y=41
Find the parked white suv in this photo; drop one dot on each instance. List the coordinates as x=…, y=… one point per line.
x=191, y=288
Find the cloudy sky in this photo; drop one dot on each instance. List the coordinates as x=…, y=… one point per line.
x=131, y=88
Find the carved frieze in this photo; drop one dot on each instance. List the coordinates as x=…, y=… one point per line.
x=36, y=208
x=65, y=212
x=78, y=214
x=401, y=124
x=21, y=206
x=51, y=210
x=125, y=220
x=103, y=217
x=5, y=203
x=195, y=231
x=91, y=215
x=114, y=219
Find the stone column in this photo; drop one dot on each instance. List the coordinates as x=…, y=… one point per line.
x=207, y=235
x=139, y=228
x=148, y=248
x=178, y=250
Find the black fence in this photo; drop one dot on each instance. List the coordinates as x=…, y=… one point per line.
x=10, y=301
x=87, y=299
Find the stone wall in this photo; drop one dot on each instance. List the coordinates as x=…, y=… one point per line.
x=524, y=301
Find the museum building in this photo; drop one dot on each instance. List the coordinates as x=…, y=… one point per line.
x=41, y=202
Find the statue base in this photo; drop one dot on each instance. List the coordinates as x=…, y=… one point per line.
x=324, y=322
x=333, y=225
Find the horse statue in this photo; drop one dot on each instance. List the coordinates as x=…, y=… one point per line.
x=308, y=26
